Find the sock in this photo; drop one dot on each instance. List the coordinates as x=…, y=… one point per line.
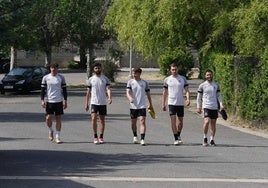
x=205, y=136
x=135, y=134
x=211, y=138
x=142, y=136
x=101, y=135
x=179, y=134
x=176, y=136
x=50, y=129
x=57, y=134
x=95, y=135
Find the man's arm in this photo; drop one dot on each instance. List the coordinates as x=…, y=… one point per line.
x=129, y=96
x=187, y=96
x=164, y=97
x=199, y=100
x=109, y=94
x=43, y=92
x=88, y=95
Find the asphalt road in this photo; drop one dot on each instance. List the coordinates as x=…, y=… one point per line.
x=28, y=159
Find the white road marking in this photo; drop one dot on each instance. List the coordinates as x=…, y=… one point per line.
x=134, y=179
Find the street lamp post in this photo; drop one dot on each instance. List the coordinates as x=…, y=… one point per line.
x=130, y=59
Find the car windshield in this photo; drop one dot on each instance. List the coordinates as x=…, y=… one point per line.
x=20, y=72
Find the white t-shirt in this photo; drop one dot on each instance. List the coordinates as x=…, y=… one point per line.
x=54, y=85
x=98, y=87
x=175, y=87
x=209, y=95
x=138, y=89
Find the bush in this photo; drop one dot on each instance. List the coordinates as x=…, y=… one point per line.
x=243, y=82
x=179, y=56
x=72, y=65
x=109, y=69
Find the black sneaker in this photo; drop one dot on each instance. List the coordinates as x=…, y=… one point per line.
x=212, y=143
x=205, y=142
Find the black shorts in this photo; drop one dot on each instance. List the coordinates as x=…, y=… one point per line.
x=212, y=114
x=54, y=108
x=176, y=110
x=99, y=109
x=135, y=113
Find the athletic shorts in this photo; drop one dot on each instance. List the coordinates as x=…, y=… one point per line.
x=212, y=114
x=99, y=109
x=135, y=113
x=176, y=110
x=54, y=108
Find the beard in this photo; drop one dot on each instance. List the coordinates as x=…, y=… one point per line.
x=97, y=72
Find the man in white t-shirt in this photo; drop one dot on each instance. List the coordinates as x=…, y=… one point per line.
x=208, y=98
x=53, y=86
x=137, y=90
x=98, y=91
x=174, y=87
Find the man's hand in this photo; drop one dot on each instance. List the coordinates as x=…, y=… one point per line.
x=199, y=111
x=64, y=104
x=43, y=103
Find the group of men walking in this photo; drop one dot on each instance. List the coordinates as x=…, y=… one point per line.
x=54, y=100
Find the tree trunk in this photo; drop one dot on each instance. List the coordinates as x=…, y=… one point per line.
x=83, y=59
x=13, y=57
x=48, y=58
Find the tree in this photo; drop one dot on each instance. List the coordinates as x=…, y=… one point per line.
x=83, y=25
x=47, y=21
x=13, y=27
x=159, y=26
x=251, y=28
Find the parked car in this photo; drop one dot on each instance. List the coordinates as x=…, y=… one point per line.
x=23, y=79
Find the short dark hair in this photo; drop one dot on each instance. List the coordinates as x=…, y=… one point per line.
x=96, y=65
x=137, y=69
x=173, y=65
x=54, y=65
x=208, y=70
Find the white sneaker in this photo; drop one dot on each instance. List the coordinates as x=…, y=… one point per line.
x=96, y=141
x=179, y=139
x=135, y=140
x=205, y=142
x=143, y=143
x=58, y=141
x=50, y=135
x=177, y=142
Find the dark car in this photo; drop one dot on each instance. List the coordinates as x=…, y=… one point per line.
x=23, y=79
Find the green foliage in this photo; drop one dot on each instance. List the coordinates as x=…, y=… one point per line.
x=72, y=65
x=251, y=26
x=109, y=70
x=222, y=67
x=256, y=95
x=179, y=56
x=243, y=82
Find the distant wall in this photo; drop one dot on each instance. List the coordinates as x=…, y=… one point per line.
x=138, y=61
x=35, y=58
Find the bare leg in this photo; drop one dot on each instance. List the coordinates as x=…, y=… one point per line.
x=180, y=124
x=102, y=124
x=134, y=125
x=173, y=124
x=94, y=122
x=142, y=125
x=205, y=125
x=49, y=120
x=213, y=127
x=58, y=123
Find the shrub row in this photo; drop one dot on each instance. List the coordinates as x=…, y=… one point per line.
x=244, y=84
